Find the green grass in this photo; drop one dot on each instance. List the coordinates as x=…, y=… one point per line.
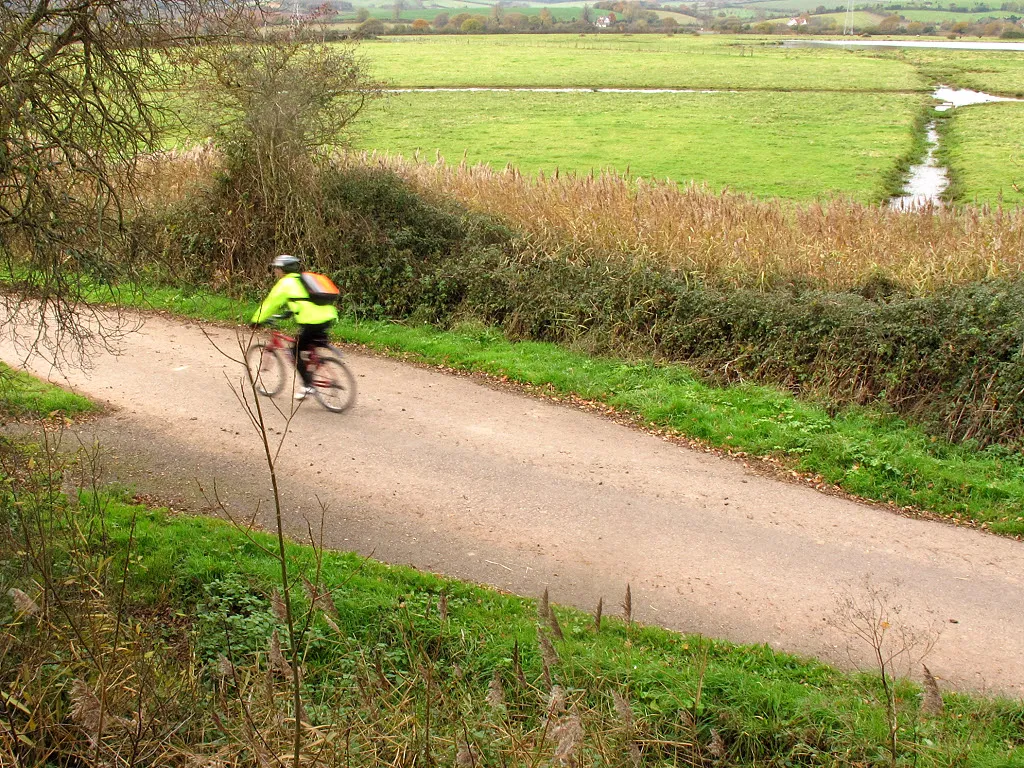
x=23, y=395
x=984, y=147
x=682, y=18
x=791, y=145
x=865, y=453
x=772, y=708
x=792, y=6
x=997, y=72
x=938, y=16
x=640, y=61
x=558, y=12
x=859, y=19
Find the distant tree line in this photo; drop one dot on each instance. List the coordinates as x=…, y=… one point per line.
x=650, y=16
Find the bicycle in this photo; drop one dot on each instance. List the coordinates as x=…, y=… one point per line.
x=333, y=382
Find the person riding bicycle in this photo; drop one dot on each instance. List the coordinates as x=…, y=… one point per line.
x=313, y=319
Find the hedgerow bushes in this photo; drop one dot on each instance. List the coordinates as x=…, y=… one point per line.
x=949, y=358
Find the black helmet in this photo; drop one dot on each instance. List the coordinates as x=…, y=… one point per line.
x=287, y=263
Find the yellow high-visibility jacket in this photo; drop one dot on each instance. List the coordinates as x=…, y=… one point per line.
x=290, y=291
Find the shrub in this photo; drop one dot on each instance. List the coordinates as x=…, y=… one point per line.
x=949, y=357
x=371, y=28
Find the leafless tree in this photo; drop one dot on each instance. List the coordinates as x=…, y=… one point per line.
x=874, y=616
x=86, y=89
x=280, y=107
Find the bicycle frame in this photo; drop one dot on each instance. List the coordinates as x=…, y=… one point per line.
x=329, y=376
x=279, y=340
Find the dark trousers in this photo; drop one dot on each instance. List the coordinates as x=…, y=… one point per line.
x=309, y=336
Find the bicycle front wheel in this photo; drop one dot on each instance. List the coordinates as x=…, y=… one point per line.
x=265, y=368
x=334, y=384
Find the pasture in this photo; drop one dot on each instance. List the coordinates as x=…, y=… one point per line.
x=775, y=7
x=799, y=123
x=561, y=12
x=985, y=149
x=996, y=72
x=640, y=61
x=858, y=19
x=937, y=16
x=789, y=145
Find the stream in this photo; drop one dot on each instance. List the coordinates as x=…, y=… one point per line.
x=929, y=180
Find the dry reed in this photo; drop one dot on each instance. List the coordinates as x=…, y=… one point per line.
x=719, y=238
x=716, y=748
x=277, y=660
x=165, y=178
x=931, y=702
x=23, y=603
x=496, y=693
x=278, y=607
x=556, y=628
x=727, y=238
x=569, y=737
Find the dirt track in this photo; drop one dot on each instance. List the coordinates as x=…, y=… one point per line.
x=457, y=478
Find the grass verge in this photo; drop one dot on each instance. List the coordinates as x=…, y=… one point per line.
x=865, y=453
x=175, y=624
x=24, y=396
x=764, y=705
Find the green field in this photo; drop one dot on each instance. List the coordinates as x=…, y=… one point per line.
x=938, y=16
x=563, y=12
x=997, y=72
x=784, y=144
x=806, y=6
x=859, y=19
x=985, y=149
x=775, y=7
x=779, y=143
x=642, y=61
x=682, y=18
x=740, y=13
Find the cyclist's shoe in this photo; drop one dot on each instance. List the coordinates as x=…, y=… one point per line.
x=301, y=392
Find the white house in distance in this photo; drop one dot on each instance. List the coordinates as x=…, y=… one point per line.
x=798, y=21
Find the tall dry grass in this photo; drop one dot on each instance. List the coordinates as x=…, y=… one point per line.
x=727, y=238
x=167, y=178
x=92, y=675
x=719, y=238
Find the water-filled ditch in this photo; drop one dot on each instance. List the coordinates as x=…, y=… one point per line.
x=928, y=180
x=924, y=186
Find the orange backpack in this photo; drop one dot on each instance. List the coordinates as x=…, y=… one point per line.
x=321, y=288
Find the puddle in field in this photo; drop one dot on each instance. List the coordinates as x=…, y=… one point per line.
x=962, y=97
x=962, y=45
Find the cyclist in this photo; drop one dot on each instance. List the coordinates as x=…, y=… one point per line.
x=313, y=319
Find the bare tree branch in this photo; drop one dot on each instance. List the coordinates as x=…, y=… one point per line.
x=86, y=88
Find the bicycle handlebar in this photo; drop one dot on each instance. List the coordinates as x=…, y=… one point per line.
x=273, y=320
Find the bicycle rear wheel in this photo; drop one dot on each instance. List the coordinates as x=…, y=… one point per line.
x=334, y=384
x=265, y=368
